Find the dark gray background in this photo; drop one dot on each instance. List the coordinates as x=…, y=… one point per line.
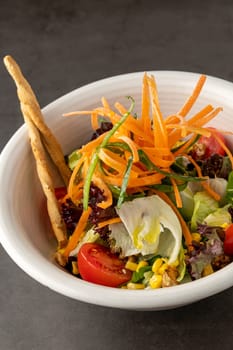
x=62, y=45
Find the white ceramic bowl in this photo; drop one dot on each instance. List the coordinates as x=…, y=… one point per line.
x=25, y=231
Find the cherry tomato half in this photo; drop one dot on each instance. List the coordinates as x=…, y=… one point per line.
x=228, y=241
x=98, y=265
x=208, y=146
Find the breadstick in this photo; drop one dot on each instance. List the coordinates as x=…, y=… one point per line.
x=46, y=181
x=28, y=99
x=28, y=103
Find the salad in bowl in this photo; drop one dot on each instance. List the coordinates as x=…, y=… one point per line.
x=149, y=201
x=146, y=202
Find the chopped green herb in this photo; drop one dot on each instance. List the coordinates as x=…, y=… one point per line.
x=138, y=276
x=125, y=182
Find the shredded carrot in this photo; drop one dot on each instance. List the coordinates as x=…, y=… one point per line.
x=206, y=118
x=176, y=193
x=194, y=124
x=92, y=145
x=155, y=157
x=114, y=161
x=73, y=183
x=171, y=119
x=185, y=146
x=130, y=124
x=145, y=113
x=75, y=113
x=98, y=182
x=78, y=232
x=152, y=84
x=202, y=113
x=159, y=130
x=189, y=129
x=135, y=182
x=77, y=192
x=160, y=151
x=121, y=108
x=105, y=102
x=191, y=100
x=94, y=121
x=133, y=147
x=108, y=222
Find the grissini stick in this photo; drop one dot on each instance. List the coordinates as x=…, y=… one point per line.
x=46, y=181
x=31, y=112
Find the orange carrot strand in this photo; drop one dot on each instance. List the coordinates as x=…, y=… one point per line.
x=192, y=99
x=177, y=194
x=78, y=232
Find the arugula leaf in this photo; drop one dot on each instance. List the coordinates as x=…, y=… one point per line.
x=168, y=188
x=182, y=166
x=116, y=145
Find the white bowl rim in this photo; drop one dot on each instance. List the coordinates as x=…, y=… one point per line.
x=70, y=286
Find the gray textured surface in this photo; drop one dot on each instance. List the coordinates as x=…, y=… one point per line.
x=62, y=45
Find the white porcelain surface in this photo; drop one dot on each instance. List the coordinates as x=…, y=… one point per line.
x=25, y=231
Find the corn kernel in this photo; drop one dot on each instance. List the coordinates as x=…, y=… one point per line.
x=132, y=285
x=162, y=269
x=130, y=265
x=225, y=225
x=156, y=281
x=157, y=264
x=208, y=270
x=196, y=236
x=75, y=270
x=141, y=264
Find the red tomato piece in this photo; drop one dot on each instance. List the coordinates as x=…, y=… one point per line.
x=208, y=146
x=228, y=241
x=98, y=265
x=60, y=192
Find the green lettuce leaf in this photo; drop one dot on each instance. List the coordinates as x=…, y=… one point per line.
x=204, y=205
x=219, y=217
